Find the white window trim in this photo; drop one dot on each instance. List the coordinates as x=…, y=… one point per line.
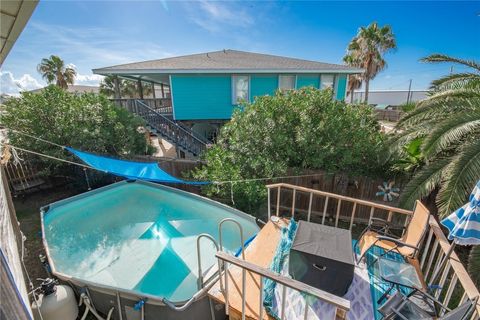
x=286, y=74
x=233, y=92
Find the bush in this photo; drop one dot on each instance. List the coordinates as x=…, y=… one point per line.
x=291, y=131
x=87, y=122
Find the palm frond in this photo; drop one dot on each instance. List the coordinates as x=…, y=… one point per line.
x=423, y=183
x=397, y=142
x=460, y=178
x=438, y=58
x=474, y=265
x=460, y=79
x=451, y=131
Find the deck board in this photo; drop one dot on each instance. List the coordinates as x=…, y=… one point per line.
x=260, y=252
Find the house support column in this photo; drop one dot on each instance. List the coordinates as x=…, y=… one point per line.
x=116, y=89
x=140, y=89
x=163, y=90
x=153, y=90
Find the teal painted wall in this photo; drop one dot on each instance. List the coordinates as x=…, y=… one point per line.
x=341, y=86
x=263, y=85
x=202, y=96
x=305, y=80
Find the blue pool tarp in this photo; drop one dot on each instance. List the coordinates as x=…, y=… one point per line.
x=149, y=171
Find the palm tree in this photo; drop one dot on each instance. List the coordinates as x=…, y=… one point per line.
x=53, y=69
x=366, y=51
x=354, y=83
x=127, y=88
x=448, y=121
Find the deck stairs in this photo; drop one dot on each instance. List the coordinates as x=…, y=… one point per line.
x=163, y=125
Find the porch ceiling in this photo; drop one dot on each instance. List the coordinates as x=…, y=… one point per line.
x=156, y=78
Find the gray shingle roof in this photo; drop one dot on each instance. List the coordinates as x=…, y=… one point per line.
x=226, y=61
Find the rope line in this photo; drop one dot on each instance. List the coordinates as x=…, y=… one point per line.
x=37, y=138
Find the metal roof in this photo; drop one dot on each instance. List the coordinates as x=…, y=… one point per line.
x=226, y=61
x=13, y=18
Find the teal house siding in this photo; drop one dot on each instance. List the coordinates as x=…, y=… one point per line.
x=263, y=85
x=202, y=96
x=306, y=80
x=341, y=86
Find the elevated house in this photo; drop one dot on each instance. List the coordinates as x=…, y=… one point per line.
x=195, y=94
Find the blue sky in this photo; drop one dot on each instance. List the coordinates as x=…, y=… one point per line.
x=91, y=34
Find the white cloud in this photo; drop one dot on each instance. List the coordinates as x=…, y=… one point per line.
x=214, y=16
x=13, y=86
x=88, y=79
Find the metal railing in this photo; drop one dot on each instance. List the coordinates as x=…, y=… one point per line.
x=160, y=105
x=263, y=273
x=182, y=138
x=454, y=285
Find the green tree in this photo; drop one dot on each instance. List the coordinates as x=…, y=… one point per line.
x=128, y=88
x=287, y=133
x=88, y=122
x=53, y=69
x=366, y=51
x=448, y=121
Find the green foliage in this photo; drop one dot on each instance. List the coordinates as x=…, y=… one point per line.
x=128, y=88
x=408, y=106
x=88, y=122
x=448, y=122
x=412, y=157
x=474, y=265
x=286, y=133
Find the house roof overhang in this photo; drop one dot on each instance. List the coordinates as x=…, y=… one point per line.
x=14, y=16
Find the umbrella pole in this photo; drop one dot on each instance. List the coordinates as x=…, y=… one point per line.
x=442, y=263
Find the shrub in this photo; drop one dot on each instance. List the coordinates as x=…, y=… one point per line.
x=87, y=122
x=291, y=131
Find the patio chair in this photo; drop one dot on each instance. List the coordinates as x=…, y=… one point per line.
x=377, y=234
x=400, y=306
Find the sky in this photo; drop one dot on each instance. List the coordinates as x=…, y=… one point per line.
x=93, y=34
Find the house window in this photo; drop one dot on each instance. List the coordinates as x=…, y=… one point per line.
x=328, y=81
x=240, y=88
x=286, y=82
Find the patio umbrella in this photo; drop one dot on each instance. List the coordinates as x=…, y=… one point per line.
x=463, y=225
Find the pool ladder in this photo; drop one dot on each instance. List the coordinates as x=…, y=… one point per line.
x=200, y=282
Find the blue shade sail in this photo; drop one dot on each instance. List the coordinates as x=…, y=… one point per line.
x=464, y=224
x=149, y=171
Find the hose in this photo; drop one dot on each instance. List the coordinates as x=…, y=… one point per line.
x=88, y=308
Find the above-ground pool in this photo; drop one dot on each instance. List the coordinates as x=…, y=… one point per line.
x=138, y=237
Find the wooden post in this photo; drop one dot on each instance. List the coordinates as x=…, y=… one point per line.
x=140, y=89
x=116, y=89
x=163, y=90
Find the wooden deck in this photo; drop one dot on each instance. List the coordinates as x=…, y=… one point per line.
x=260, y=252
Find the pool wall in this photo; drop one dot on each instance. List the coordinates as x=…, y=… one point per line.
x=105, y=297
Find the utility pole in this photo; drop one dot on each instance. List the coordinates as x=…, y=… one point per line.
x=409, y=91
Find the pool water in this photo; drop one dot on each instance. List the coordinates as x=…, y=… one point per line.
x=139, y=236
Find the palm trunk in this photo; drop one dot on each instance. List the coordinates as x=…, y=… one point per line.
x=367, y=86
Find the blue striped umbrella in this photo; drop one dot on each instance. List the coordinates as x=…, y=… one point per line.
x=463, y=226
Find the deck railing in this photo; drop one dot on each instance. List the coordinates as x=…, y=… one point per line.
x=452, y=287
x=337, y=302
x=160, y=105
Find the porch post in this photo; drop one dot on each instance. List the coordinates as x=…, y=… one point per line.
x=140, y=89
x=163, y=92
x=153, y=90
x=116, y=88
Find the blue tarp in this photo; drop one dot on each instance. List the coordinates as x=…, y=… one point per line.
x=149, y=171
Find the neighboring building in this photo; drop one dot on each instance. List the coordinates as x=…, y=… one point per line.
x=205, y=88
x=390, y=97
x=77, y=89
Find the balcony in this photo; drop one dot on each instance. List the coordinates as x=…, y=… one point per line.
x=160, y=105
x=241, y=285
